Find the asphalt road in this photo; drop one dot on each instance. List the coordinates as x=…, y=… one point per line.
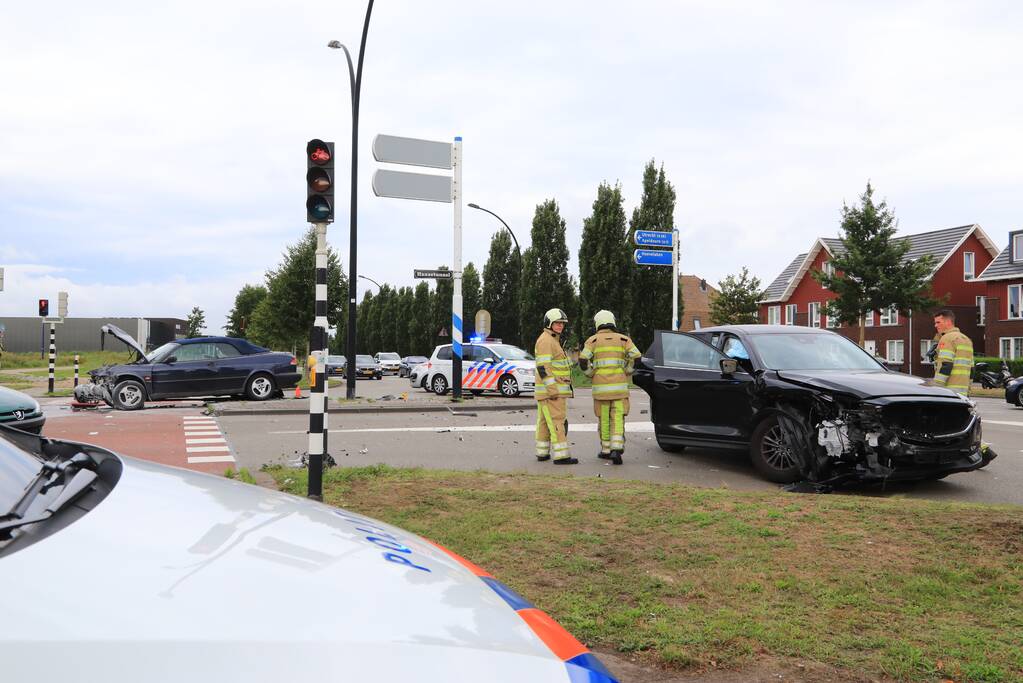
x=502, y=441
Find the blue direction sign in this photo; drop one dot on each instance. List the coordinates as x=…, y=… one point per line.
x=653, y=238
x=652, y=257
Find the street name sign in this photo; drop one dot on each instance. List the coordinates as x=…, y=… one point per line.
x=422, y=186
x=423, y=274
x=653, y=238
x=652, y=257
x=392, y=149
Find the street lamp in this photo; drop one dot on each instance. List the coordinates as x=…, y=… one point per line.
x=363, y=277
x=355, y=80
x=518, y=253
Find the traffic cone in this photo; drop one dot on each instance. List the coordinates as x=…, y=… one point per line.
x=298, y=391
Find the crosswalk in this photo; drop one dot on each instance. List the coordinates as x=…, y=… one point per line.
x=202, y=435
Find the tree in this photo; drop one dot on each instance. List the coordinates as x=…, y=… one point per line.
x=471, y=298
x=196, y=322
x=651, y=285
x=245, y=303
x=441, y=319
x=736, y=303
x=405, y=307
x=366, y=324
x=872, y=272
x=605, y=270
x=502, y=276
x=545, y=280
x=421, y=334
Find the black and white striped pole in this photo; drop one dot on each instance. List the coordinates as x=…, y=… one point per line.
x=76, y=369
x=317, y=393
x=53, y=354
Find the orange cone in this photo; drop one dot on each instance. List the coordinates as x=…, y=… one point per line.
x=298, y=391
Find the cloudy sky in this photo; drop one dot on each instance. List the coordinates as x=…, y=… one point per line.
x=152, y=154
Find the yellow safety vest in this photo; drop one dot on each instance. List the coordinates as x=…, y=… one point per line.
x=610, y=355
x=553, y=367
x=954, y=363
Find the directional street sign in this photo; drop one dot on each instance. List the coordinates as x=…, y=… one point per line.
x=392, y=149
x=652, y=257
x=422, y=274
x=401, y=185
x=653, y=238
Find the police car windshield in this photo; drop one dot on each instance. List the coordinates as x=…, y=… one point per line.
x=811, y=352
x=508, y=352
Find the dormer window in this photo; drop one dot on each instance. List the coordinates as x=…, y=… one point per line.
x=1016, y=239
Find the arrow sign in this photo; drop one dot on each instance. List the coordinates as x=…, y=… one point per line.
x=423, y=274
x=401, y=185
x=653, y=238
x=651, y=257
x=392, y=149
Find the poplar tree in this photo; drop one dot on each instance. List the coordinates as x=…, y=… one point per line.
x=651, y=285
x=502, y=277
x=442, y=310
x=471, y=298
x=605, y=270
x=545, y=280
x=420, y=326
x=737, y=301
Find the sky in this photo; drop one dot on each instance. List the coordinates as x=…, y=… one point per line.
x=152, y=154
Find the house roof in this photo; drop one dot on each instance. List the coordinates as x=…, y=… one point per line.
x=940, y=244
x=1002, y=268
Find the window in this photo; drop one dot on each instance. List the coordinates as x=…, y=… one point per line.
x=1015, y=297
x=224, y=350
x=195, y=352
x=1011, y=347
x=1017, y=247
x=925, y=346
x=896, y=350
x=868, y=319
x=790, y=314
x=870, y=346
x=890, y=316
x=734, y=348
x=968, y=263
x=813, y=314
x=683, y=351
x=831, y=322
x=696, y=323
x=444, y=353
x=981, y=305
x=774, y=315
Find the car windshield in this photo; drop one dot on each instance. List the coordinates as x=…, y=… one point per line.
x=811, y=352
x=389, y=356
x=368, y=360
x=509, y=352
x=162, y=352
x=336, y=360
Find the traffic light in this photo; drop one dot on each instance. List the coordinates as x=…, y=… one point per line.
x=62, y=304
x=319, y=178
x=44, y=308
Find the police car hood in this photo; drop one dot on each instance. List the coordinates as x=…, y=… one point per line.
x=178, y=575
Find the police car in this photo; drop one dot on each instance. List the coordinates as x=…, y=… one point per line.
x=137, y=571
x=503, y=368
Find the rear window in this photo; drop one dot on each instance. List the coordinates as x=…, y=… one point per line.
x=444, y=353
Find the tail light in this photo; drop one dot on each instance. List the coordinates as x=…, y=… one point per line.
x=294, y=361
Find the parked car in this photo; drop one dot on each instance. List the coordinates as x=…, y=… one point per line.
x=1014, y=391
x=20, y=411
x=405, y=369
x=205, y=366
x=389, y=362
x=503, y=368
x=366, y=366
x=172, y=559
x=418, y=375
x=808, y=404
x=336, y=365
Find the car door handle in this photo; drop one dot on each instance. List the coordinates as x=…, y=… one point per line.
x=670, y=384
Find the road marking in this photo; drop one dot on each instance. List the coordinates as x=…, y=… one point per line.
x=206, y=449
x=584, y=427
x=210, y=458
x=1002, y=422
x=209, y=432
x=218, y=439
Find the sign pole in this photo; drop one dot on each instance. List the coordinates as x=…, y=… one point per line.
x=53, y=354
x=674, y=282
x=456, y=297
x=317, y=402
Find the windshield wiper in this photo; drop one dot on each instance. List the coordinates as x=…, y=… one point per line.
x=76, y=474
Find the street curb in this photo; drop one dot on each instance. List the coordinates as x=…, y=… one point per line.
x=335, y=410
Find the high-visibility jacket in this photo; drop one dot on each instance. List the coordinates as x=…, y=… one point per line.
x=954, y=363
x=553, y=377
x=610, y=356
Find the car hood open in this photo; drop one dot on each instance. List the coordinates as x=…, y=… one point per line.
x=129, y=340
x=865, y=384
x=178, y=573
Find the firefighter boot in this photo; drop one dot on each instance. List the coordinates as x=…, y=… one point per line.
x=566, y=461
x=616, y=457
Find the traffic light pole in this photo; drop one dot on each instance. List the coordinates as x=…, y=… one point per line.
x=317, y=395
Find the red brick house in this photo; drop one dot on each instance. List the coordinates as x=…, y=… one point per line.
x=1003, y=310
x=960, y=255
x=696, y=297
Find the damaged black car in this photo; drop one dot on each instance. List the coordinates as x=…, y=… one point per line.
x=808, y=404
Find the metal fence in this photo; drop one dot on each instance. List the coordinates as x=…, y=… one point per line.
x=82, y=334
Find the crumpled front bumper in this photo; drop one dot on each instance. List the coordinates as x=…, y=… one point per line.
x=92, y=393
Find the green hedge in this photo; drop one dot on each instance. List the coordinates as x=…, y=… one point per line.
x=995, y=364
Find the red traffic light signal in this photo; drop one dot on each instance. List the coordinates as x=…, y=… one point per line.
x=319, y=180
x=44, y=308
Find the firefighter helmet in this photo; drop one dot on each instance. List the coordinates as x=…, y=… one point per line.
x=555, y=315
x=604, y=319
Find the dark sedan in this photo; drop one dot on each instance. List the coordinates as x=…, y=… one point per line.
x=807, y=404
x=408, y=362
x=366, y=366
x=336, y=365
x=205, y=366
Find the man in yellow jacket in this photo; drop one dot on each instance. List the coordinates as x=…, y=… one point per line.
x=553, y=382
x=954, y=364
x=608, y=358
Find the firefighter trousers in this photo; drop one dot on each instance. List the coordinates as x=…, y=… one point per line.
x=552, y=428
x=611, y=423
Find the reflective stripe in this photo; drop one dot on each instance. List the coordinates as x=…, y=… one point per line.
x=565, y=389
x=607, y=371
x=613, y=349
x=545, y=358
x=549, y=380
x=609, y=362
x=586, y=353
x=608, y=388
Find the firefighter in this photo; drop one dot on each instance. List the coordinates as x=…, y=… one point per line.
x=553, y=382
x=954, y=363
x=608, y=358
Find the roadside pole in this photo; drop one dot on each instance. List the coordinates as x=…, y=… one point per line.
x=317, y=402
x=660, y=257
x=76, y=369
x=456, y=299
x=53, y=354
x=674, y=282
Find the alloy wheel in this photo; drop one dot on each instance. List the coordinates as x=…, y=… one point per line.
x=775, y=451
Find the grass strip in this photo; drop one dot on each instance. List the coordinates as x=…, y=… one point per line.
x=908, y=589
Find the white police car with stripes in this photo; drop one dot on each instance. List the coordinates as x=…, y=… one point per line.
x=503, y=368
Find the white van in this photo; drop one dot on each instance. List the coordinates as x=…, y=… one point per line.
x=503, y=368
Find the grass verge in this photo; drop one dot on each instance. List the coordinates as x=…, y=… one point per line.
x=913, y=590
x=87, y=360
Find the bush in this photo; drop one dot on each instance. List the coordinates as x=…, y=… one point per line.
x=995, y=365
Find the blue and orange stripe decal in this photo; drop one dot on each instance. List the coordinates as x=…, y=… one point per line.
x=582, y=665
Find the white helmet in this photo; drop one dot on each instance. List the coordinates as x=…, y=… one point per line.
x=555, y=315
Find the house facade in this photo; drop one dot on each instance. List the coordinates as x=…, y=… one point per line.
x=960, y=254
x=1003, y=310
x=696, y=297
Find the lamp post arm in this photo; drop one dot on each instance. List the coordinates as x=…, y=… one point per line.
x=476, y=206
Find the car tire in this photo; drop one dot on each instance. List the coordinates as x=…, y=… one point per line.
x=439, y=385
x=508, y=387
x=259, y=387
x=129, y=394
x=770, y=456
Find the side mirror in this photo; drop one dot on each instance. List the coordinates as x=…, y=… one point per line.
x=729, y=366
x=171, y=360
x=488, y=359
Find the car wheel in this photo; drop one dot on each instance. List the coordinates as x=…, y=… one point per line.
x=1019, y=398
x=771, y=456
x=508, y=386
x=259, y=388
x=439, y=384
x=129, y=394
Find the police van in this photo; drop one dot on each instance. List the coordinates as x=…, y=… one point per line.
x=503, y=368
